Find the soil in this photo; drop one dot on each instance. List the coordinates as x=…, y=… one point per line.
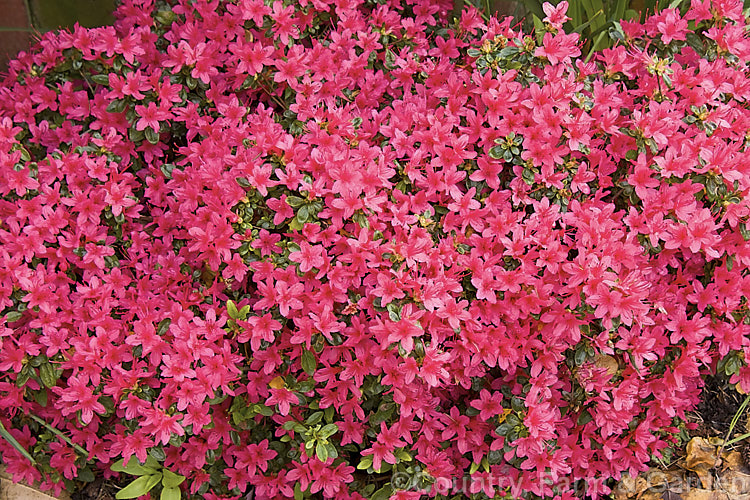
x=720, y=401
x=100, y=489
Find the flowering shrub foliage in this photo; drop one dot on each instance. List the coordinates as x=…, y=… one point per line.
x=297, y=248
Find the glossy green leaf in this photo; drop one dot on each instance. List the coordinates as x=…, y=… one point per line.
x=151, y=135
x=294, y=201
x=309, y=364
x=365, y=463
x=383, y=493
x=139, y=486
x=171, y=493
x=170, y=479
x=100, y=79
x=133, y=467
x=13, y=316
x=328, y=430
x=232, y=310
x=48, y=374
x=314, y=418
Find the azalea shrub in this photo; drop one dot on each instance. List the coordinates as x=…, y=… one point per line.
x=354, y=249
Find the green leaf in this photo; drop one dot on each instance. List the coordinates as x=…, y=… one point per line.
x=167, y=169
x=23, y=376
x=744, y=231
x=321, y=451
x=165, y=16
x=294, y=201
x=496, y=152
x=170, y=479
x=170, y=493
x=309, y=364
x=365, y=463
x=117, y=106
x=48, y=374
x=630, y=14
x=232, y=310
x=580, y=357
x=538, y=28
x=328, y=430
x=163, y=326
x=152, y=135
x=86, y=475
x=617, y=13
x=139, y=486
x=303, y=214
x=584, y=418
x=361, y=219
x=298, y=491
x=244, y=312
x=133, y=467
x=41, y=397
x=600, y=43
x=297, y=427
x=383, y=493
x=135, y=135
x=263, y=410
x=296, y=224
x=15, y=444
x=157, y=453
x=13, y=316
x=100, y=79
x=314, y=418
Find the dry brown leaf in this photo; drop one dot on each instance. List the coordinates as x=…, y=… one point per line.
x=732, y=460
x=641, y=487
x=734, y=483
x=650, y=495
x=607, y=362
x=697, y=494
x=701, y=494
x=700, y=453
x=671, y=495
x=655, y=483
x=706, y=478
x=626, y=488
x=701, y=458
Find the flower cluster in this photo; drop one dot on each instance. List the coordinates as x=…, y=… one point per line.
x=297, y=247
